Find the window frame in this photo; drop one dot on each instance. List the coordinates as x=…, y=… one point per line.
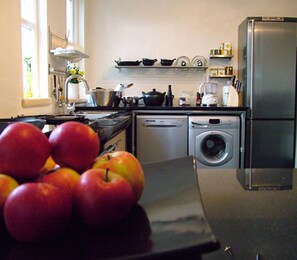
x=39, y=52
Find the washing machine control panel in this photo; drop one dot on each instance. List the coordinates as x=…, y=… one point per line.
x=214, y=122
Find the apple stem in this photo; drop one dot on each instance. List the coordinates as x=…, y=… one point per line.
x=108, y=157
x=106, y=174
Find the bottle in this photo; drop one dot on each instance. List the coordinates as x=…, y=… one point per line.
x=198, y=100
x=225, y=93
x=170, y=97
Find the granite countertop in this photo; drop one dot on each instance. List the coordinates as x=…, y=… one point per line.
x=163, y=107
x=167, y=223
x=189, y=213
x=253, y=212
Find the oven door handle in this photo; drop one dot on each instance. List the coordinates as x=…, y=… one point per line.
x=111, y=148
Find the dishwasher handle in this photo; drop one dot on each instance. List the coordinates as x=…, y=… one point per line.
x=162, y=126
x=163, y=123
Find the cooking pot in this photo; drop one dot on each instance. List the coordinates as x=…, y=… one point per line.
x=166, y=62
x=153, y=98
x=103, y=97
x=4, y=122
x=148, y=62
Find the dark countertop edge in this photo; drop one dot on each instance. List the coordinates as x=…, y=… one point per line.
x=161, y=108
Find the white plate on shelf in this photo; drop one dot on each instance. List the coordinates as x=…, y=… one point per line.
x=183, y=61
x=198, y=61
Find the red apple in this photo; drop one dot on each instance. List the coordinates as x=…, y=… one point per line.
x=7, y=185
x=74, y=145
x=126, y=165
x=37, y=212
x=101, y=202
x=65, y=178
x=24, y=149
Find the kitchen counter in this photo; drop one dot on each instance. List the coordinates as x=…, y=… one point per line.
x=168, y=222
x=163, y=107
x=106, y=125
x=254, y=214
x=177, y=218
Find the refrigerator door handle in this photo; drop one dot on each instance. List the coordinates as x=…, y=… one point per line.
x=251, y=29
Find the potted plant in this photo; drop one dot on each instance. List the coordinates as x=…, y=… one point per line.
x=73, y=88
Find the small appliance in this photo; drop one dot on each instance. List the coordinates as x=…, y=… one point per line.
x=209, y=93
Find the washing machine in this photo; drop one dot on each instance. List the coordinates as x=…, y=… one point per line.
x=214, y=141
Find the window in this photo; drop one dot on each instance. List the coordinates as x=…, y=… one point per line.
x=34, y=48
x=75, y=22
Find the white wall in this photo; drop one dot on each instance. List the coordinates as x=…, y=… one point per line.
x=10, y=57
x=133, y=29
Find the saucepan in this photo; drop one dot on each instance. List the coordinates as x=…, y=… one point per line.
x=104, y=97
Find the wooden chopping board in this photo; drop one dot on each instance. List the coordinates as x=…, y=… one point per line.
x=233, y=99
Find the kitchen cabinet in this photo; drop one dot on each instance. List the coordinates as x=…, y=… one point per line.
x=117, y=143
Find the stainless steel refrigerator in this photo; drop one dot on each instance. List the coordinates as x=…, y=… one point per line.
x=267, y=68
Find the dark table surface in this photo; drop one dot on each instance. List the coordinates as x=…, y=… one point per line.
x=253, y=212
x=168, y=222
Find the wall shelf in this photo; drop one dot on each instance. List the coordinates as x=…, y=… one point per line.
x=71, y=55
x=222, y=76
x=220, y=56
x=163, y=67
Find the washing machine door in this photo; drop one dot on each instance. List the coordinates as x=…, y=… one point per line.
x=214, y=148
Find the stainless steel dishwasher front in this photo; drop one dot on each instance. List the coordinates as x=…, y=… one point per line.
x=161, y=137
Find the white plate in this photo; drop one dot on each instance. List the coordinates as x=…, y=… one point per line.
x=183, y=61
x=199, y=61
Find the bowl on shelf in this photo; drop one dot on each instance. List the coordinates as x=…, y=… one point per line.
x=148, y=62
x=167, y=62
x=127, y=63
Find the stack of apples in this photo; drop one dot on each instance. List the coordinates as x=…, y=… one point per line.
x=45, y=182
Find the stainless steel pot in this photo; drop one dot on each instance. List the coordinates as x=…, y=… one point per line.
x=103, y=97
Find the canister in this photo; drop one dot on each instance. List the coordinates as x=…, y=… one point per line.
x=229, y=70
x=221, y=71
x=213, y=71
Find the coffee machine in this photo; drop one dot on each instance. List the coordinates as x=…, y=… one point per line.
x=208, y=91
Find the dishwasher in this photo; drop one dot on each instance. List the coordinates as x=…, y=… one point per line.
x=160, y=137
